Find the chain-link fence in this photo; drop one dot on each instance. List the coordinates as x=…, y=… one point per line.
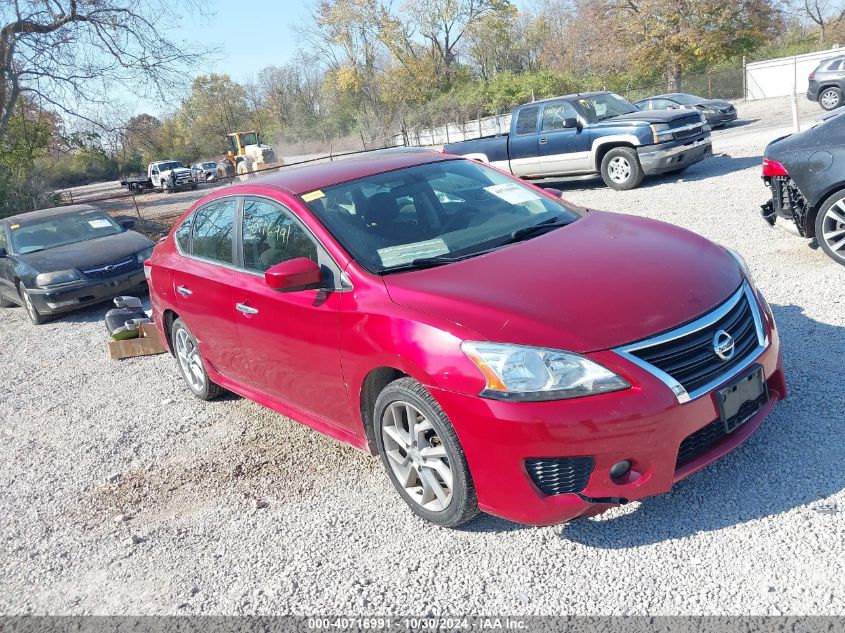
x=155, y=212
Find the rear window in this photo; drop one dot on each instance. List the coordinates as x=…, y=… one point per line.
x=526, y=121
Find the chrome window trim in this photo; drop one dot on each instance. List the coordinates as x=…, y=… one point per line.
x=699, y=324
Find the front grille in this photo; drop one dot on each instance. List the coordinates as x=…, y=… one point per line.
x=692, y=120
x=700, y=442
x=560, y=475
x=688, y=354
x=108, y=270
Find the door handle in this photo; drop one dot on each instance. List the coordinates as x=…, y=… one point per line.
x=184, y=291
x=543, y=140
x=240, y=307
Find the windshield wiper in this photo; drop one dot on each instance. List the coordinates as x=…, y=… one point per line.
x=435, y=260
x=528, y=231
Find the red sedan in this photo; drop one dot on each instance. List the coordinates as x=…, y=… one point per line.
x=499, y=349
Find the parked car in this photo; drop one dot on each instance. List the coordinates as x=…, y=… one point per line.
x=205, y=172
x=57, y=260
x=827, y=83
x=596, y=132
x=498, y=348
x=718, y=112
x=806, y=173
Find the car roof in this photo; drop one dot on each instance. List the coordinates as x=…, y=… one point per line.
x=52, y=212
x=575, y=95
x=305, y=178
x=672, y=95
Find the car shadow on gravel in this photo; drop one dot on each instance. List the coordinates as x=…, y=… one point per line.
x=712, y=167
x=792, y=463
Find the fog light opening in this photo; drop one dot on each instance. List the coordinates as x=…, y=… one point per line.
x=620, y=470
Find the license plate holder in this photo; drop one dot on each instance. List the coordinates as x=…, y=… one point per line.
x=740, y=400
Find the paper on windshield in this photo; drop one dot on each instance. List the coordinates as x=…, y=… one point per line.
x=99, y=224
x=513, y=194
x=406, y=253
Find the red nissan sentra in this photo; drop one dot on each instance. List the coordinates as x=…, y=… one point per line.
x=499, y=349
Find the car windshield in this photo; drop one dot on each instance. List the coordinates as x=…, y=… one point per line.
x=249, y=138
x=209, y=165
x=686, y=99
x=446, y=210
x=173, y=164
x=60, y=230
x=604, y=106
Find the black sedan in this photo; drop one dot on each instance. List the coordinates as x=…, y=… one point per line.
x=718, y=112
x=57, y=260
x=806, y=173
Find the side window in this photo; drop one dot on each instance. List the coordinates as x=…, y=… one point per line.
x=183, y=235
x=836, y=65
x=271, y=235
x=213, y=228
x=3, y=243
x=526, y=121
x=555, y=115
x=663, y=104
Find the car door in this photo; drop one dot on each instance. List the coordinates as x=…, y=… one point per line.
x=7, y=283
x=564, y=147
x=202, y=285
x=154, y=176
x=290, y=339
x=522, y=143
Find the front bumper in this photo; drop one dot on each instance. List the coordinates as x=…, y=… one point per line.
x=74, y=296
x=720, y=118
x=659, y=159
x=644, y=424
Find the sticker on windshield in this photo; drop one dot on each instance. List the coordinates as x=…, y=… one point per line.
x=313, y=195
x=514, y=194
x=99, y=224
x=406, y=253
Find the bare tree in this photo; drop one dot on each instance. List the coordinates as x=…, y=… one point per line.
x=68, y=55
x=823, y=14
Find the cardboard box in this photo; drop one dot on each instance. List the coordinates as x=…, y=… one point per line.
x=146, y=344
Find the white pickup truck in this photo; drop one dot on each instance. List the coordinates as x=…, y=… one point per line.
x=164, y=175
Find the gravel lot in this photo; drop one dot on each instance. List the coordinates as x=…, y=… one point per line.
x=122, y=494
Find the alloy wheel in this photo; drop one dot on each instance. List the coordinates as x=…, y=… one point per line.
x=417, y=456
x=829, y=99
x=619, y=169
x=189, y=360
x=833, y=228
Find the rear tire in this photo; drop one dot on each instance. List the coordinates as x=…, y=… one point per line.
x=621, y=169
x=830, y=227
x=190, y=363
x=32, y=312
x=422, y=454
x=830, y=98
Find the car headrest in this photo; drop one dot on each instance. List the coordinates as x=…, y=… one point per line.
x=381, y=209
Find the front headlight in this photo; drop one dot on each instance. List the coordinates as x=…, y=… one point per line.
x=660, y=132
x=522, y=373
x=58, y=277
x=144, y=255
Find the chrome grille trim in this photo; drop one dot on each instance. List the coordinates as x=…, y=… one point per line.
x=702, y=323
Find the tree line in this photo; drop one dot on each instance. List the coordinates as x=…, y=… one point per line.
x=365, y=69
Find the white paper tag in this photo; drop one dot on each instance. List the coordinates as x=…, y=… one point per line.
x=514, y=194
x=99, y=224
x=406, y=253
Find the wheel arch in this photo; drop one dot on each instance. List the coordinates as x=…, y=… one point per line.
x=168, y=317
x=602, y=148
x=810, y=221
x=374, y=382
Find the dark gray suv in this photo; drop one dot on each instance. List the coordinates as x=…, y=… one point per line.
x=827, y=83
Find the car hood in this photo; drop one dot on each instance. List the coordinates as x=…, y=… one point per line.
x=716, y=103
x=87, y=254
x=648, y=116
x=603, y=281
x=178, y=171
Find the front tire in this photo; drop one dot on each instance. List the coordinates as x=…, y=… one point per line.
x=190, y=362
x=32, y=312
x=422, y=454
x=830, y=98
x=621, y=169
x=830, y=227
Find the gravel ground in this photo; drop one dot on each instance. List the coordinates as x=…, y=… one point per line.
x=122, y=494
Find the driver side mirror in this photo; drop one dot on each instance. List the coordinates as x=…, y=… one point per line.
x=294, y=274
x=3, y=252
x=571, y=121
